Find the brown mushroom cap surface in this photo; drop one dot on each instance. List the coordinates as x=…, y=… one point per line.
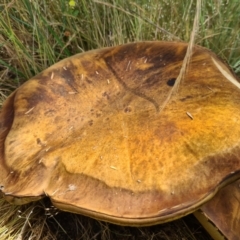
x=224, y=210
x=90, y=133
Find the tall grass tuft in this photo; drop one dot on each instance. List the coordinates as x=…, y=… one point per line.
x=36, y=34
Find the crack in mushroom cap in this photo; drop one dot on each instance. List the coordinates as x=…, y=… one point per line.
x=89, y=133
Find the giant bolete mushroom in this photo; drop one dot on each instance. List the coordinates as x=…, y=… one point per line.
x=91, y=133
x=221, y=215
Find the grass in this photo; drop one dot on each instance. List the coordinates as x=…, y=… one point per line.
x=40, y=221
x=36, y=34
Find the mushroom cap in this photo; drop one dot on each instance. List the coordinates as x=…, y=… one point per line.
x=91, y=134
x=224, y=210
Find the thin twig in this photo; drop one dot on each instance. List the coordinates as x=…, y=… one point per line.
x=187, y=58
